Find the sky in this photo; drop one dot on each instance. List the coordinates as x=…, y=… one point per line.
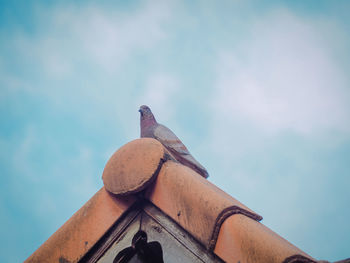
x=259, y=91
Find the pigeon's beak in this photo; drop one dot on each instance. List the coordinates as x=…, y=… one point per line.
x=141, y=112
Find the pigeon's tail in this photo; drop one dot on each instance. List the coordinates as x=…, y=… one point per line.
x=177, y=149
x=189, y=161
x=202, y=172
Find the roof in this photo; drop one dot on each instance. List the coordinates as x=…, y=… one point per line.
x=144, y=168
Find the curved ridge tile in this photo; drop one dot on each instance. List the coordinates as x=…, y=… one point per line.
x=134, y=166
x=242, y=239
x=298, y=259
x=229, y=211
x=192, y=201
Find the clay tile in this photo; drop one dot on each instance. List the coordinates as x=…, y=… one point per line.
x=72, y=240
x=133, y=166
x=242, y=239
x=195, y=203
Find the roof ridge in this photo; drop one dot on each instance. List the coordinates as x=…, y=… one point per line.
x=144, y=168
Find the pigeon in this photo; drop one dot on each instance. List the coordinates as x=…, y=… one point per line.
x=150, y=128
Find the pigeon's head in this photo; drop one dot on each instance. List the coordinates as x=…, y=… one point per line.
x=146, y=113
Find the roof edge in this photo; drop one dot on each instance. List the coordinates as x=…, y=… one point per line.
x=227, y=212
x=246, y=240
x=298, y=259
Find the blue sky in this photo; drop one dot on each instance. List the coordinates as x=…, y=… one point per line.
x=258, y=91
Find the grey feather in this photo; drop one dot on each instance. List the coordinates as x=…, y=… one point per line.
x=150, y=128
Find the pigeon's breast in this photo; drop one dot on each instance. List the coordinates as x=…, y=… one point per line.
x=147, y=132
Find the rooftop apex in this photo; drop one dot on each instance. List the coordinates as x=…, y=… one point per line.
x=143, y=169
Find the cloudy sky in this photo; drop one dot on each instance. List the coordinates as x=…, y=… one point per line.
x=259, y=91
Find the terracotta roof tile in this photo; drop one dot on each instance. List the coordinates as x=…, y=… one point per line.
x=144, y=168
x=213, y=217
x=134, y=166
x=195, y=203
x=71, y=241
x=244, y=240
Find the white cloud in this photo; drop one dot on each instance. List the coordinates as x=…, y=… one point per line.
x=284, y=77
x=110, y=37
x=74, y=36
x=77, y=58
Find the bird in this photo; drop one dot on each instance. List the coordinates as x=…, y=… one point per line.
x=150, y=128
